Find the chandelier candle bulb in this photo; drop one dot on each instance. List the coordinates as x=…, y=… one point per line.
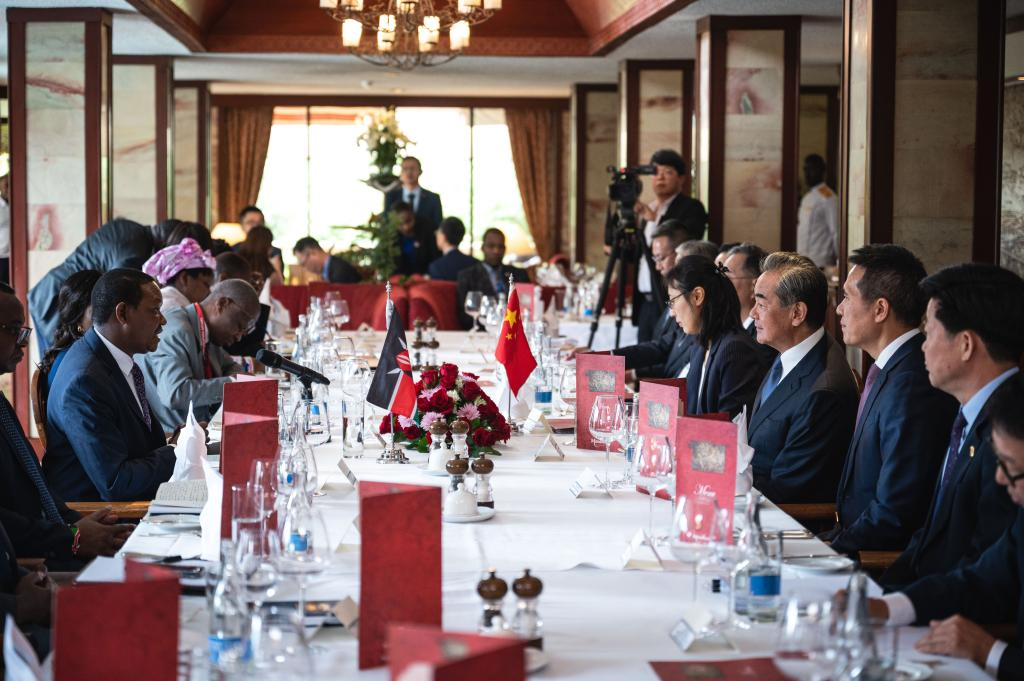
x=492, y=4
x=328, y=4
x=467, y=6
x=458, y=35
x=352, y=5
x=408, y=6
x=351, y=33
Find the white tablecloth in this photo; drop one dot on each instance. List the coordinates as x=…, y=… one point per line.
x=605, y=337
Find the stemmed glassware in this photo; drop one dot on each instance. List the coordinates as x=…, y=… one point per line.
x=356, y=377
x=263, y=478
x=606, y=426
x=305, y=547
x=806, y=648
x=655, y=461
x=630, y=433
x=337, y=309
x=473, y=307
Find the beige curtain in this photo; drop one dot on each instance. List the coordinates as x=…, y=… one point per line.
x=242, y=140
x=536, y=142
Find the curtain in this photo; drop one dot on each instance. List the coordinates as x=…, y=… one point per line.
x=242, y=140
x=535, y=135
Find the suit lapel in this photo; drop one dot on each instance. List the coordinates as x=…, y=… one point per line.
x=693, y=377
x=790, y=384
x=117, y=379
x=964, y=460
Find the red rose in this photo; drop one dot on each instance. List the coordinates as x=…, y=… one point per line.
x=488, y=408
x=484, y=438
x=449, y=372
x=423, y=404
x=441, y=402
x=469, y=375
x=413, y=432
x=385, y=425
x=471, y=391
x=428, y=378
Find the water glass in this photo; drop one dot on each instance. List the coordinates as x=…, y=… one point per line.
x=606, y=426
x=246, y=509
x=655, y=462
x=473, y=306
x=279, y=649
x=356, y=377
x=305, y=546
x=803, y=641
x=630, y=433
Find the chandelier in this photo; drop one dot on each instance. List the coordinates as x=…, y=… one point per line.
x=408, y=33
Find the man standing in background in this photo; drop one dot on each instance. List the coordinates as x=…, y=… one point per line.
x=817, y=229
x=426, y=205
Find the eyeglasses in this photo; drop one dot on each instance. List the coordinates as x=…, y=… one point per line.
x=20, y=333
x=672, y=301
x=1006, y=473
x=660, y=258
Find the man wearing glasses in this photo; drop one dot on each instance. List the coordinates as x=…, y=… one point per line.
x=988, y=591
x=191, y=365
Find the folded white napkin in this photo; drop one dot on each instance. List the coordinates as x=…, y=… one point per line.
x=20, y=661
x=209, y=518
x=190, y=451
x=744, y=455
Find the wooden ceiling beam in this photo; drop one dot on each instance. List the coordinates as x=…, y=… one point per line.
x=637, y=18
x=174, y=20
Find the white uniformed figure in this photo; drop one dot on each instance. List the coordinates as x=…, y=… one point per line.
x=817, y=230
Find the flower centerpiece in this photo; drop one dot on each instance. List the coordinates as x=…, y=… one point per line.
x=385, y=142
x=449, y=394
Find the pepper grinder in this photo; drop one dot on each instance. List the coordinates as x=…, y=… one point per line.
x=431, y=342
x=417, y=343
x=482, y=469
x=460, y=430
x=457, y=469
x=527, y=623
x=492, y=590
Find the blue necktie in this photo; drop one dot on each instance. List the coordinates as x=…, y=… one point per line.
x=774, y=378
x=28, y=460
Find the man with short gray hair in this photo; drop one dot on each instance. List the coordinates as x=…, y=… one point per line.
x=190, y=365
x=805, y=410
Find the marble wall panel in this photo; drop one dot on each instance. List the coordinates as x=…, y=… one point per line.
x=134, y=137
x=186, y=154
x=703, y=141
x=660, y=116
x=857, y=132
x=601, y=135
x=1012, y=223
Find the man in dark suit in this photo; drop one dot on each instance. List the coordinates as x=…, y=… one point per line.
x=103, y=440
x=417, y=246
x=490, y=277
x=988, y=591
x=974, y=332
x=425, y=203
x=314, y=259
x=900, y=436
x=804, y=411
x=121, y=243
x=25, y=595
x=452, y=261
x=38, y=523
x=743, y=266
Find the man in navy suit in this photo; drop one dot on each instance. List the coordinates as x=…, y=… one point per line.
x=900, y=437
x=314, y=259
x=104, y=441
x=988, y=591
x=975, y=336
x=804, y=410
x=452, y=261
x=426, y=204
x=417, y=244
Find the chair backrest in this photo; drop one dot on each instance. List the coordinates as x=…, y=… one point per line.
x=434, y=299
x=38, y=407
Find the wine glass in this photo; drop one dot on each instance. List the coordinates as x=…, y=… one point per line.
x=567, y=384
x=630, y=433
x=803, y=646
x=492, y=312
x=606, y=424
x=262, y=476
x=281, y=652
x=694, y=527
x=246, y=509
x=338, y=310
x=345, y=347
x=305, y=547
x=356, y=377
x=473, y=304
x=654, y=461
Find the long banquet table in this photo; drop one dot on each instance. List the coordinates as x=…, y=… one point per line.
x=600, y=621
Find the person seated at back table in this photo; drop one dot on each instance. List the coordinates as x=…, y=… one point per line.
x=190, y=365
x=103, y=440
x=725, y=367
x=902, y=423
x=417, y=246
x=988, y=591
x=315, y=260
x=452, y=261
x=257, y=249
x=974, y=337
x=803, y=415
x=184, y=272
x=75, y=318
x=490, y=277
x=250, y=217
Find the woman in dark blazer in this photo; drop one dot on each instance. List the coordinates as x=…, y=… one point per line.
x=725, y=365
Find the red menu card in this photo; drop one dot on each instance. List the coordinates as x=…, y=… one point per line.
x=706, y=462
x=596, y=374
x=244, y=439
x=526, y=292
x=255, y=395
x=400, y=563
x=662, y=401
x=454, y=657
x=118, y=631
x=760, y=668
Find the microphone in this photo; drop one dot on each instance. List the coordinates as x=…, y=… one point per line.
x=304, y=374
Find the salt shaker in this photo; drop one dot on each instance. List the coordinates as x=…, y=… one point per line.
x=527, y=623
x=431, y=342
x=460, y=430
x=438, y=456
x=417, y=343
x=457, y=469
x=482, y=469
x=492, y=590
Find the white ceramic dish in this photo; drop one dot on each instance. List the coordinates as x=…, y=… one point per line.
x=427, y=471
x=818, y=564
x=912, y=671
x=483, y=513
x=180, y=522
x=536, y=660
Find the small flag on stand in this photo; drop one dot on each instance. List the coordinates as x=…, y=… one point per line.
x=513, y=349
x=393, y=388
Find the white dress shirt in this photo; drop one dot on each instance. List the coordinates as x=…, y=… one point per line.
x=817, y=229
x=790, y=358
x=895, y=344
x=124, y=363
x=412, y=197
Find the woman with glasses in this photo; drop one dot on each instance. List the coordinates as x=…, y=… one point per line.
x=725, y=365
x=74, y=319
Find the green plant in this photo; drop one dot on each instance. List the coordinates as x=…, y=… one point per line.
x=385, y=141
x=375, y=247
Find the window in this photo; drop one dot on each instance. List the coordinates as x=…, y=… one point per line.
x=313, y=181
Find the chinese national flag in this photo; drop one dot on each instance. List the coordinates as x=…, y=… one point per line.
x=513, y=349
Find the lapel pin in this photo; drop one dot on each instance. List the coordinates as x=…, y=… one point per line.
x=971, y=452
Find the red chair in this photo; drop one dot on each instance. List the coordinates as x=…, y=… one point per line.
x=294, y=298
x=366, y=302
x=549, y=293
x=434, y=299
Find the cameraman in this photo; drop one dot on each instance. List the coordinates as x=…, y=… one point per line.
x=670, y=203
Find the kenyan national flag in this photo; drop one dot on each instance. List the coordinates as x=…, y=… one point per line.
x=392, y=387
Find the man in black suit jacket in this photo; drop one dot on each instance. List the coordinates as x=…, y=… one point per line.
x=103, y=440
x=417, y=246
x=425, y=203
x=804, y=411
x=743, y=266
x=314, y=259
x=452, y=261
x=490, y=277
x=39, y=524
x=25, y=595
x=975, y=336
x=988, y=591
x=901, y=432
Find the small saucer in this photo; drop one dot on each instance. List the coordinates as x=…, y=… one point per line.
x=427, y=471
x=483, y=513
x=536, y=660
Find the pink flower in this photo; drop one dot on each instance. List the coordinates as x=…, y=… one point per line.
x=429, y=418
x=468, y=412
x=406, y=422
x=429, y=392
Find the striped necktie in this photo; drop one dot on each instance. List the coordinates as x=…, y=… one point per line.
x=28, y=460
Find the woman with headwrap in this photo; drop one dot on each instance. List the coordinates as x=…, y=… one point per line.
x=184, y=272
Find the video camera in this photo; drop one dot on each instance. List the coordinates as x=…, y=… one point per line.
x=624, y=189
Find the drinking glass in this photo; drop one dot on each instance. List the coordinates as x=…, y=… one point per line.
x=305, y=547
x=338, y=310
x=281, y=652
x=694, y=526
x=606, y=425
x=630, y=433
x=262, y=476
x=472, y=306
x=296, y=468
x=654, y=458
x=803, y=646
x=246, y=509
x=345, y=347
x=492, y=312
x=356, y=377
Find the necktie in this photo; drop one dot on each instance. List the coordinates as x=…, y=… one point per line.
x=28, y=461
x=140, y=392
x=869, y=382
x=774, y=378
x=951, y=455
